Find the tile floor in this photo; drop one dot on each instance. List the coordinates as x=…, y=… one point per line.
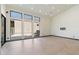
x=42, y=46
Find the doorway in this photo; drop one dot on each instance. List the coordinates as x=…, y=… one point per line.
x=20, y=29
x=25, y=29
x=15, y=29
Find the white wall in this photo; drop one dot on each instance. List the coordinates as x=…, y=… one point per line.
x=68, y=19
x=3, y=9
x=8, y=26
x=45, y=26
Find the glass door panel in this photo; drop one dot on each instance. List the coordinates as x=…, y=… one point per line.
x=27, y=29
x=16, y=29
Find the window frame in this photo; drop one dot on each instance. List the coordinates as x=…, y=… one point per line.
x=16, y=12
x=28, y=15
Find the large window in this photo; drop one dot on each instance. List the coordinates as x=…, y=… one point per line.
x=26, y=16
x=15, y=15
x=23, y=25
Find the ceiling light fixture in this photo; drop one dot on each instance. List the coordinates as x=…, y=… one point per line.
x=51, y=14
x=58, y=10
x=40, y=11
x=53, y=7
x=32, y=8
x=46, y=13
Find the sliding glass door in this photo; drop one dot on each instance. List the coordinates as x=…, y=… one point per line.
x=20, y=25
x=20, y=29
x=16, y=29
x=27, y=29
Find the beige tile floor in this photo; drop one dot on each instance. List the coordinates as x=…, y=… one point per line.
x=42, y=46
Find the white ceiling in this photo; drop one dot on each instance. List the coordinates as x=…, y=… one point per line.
x=45, y=9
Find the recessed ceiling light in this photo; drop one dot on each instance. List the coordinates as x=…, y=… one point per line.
x=53, y=7
x=32, y=8
x=40, y=11
x=46, y=13
x=51, y=14
x=58, y=10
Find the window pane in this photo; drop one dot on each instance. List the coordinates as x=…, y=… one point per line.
x=27, y=28
x=26, y=16
x=15, y=15
x=36, y=19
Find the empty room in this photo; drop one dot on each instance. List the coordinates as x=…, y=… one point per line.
x=39, y=29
